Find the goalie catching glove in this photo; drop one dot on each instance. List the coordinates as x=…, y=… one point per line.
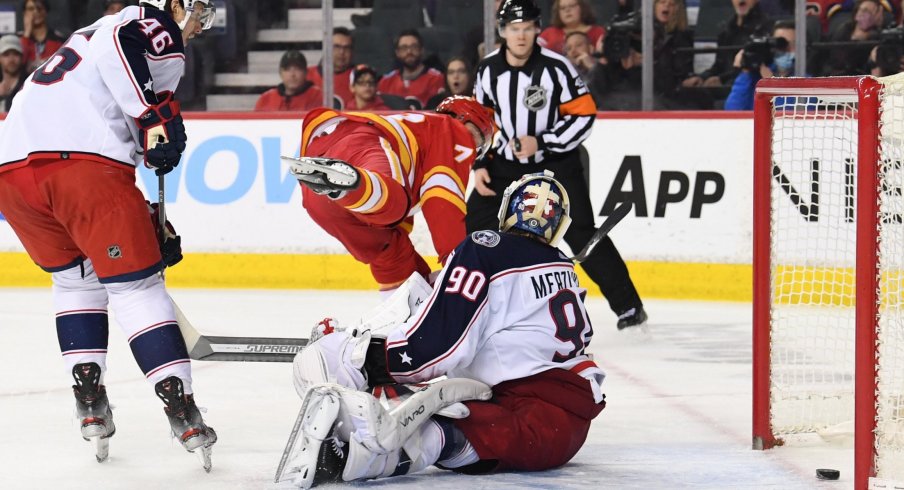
x=170, y=243
x=161, y=134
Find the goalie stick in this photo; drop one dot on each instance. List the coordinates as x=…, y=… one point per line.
x=613, y=219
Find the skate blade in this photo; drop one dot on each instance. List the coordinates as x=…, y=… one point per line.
x=314, y=423
x=205, y=456
x=637, y=333
x=311, y=165
x=101, y=448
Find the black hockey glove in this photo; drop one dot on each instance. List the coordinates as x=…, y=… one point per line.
x=161, y=134
x=170, y=243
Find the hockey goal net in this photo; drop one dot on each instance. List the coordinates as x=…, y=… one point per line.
x=828, y=316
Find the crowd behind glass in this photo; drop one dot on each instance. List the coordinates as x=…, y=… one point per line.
x=755, y=40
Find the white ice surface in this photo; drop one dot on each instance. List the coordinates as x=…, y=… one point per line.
x=678, y=414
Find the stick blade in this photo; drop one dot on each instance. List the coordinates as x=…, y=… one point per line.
x=613, y=219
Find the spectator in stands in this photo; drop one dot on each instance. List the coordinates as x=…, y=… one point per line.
x=459, y=81
x=617, y=86
x=741, y=96
x=12, y=68
x=412, y=80
x=113, y=6
x=364, y=89
x=295, y=93
x=748, y=21
x=343, y=47
x=39, y=41
x=578, y=50
x=864, y=26
x=570, y=16
x=672, y=67
x=891, y=7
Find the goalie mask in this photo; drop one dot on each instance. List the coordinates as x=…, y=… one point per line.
x=536, y=204
x=206, y=16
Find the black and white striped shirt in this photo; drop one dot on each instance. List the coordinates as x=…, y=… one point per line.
x=545, y=98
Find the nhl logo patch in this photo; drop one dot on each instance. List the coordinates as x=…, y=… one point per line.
x=486, y=238
x=535, y=98
x=114, y=252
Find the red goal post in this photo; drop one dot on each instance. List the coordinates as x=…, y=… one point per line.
x=828, y=266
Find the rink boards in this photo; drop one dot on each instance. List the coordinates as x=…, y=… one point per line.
x=243, y=224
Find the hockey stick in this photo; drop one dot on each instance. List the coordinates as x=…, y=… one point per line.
x=613, y=219
x=161, y=218
x=245, y=349
x=395, y=310
x=211, y=348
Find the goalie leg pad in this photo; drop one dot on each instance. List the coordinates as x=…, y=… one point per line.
x=335, y=358
x=382, y=431
x=394, y=394
x=417, y=409
x=416, y=454
x=317, y=421
x=364, y=464
x=369, y=424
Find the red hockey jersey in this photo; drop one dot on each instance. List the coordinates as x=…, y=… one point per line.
x=276, y=99
x=342, y=83
x=433, y=154
x=426, y=85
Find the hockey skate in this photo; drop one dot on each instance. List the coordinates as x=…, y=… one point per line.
x=185, y=420
x=324, y=175
x=314, y=453
x=93, y=408
x=633, y=318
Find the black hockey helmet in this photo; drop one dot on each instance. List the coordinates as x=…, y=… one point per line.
x=512, y=11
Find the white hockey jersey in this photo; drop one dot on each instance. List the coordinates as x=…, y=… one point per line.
x=505, y=307
x=82, y=102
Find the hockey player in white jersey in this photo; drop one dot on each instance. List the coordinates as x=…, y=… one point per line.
x=98, y=107
x=506, y=319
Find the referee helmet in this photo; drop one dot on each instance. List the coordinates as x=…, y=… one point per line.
x=513, y=11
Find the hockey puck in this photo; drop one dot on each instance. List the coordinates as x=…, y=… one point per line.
x=827, y=474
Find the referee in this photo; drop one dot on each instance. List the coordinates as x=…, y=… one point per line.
x=544, y=112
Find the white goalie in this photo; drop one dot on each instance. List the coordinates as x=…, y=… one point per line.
x=496, y=348
x=347, y=434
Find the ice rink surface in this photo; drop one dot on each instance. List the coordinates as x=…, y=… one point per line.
x=678, y=414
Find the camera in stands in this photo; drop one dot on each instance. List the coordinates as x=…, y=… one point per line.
x=761, y=51
x=622, y=34
x=891, y=49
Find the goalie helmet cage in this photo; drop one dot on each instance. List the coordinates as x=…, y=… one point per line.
x=828, y=281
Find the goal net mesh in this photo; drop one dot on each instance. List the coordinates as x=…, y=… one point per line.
x=890, y=323
x=813, y=258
